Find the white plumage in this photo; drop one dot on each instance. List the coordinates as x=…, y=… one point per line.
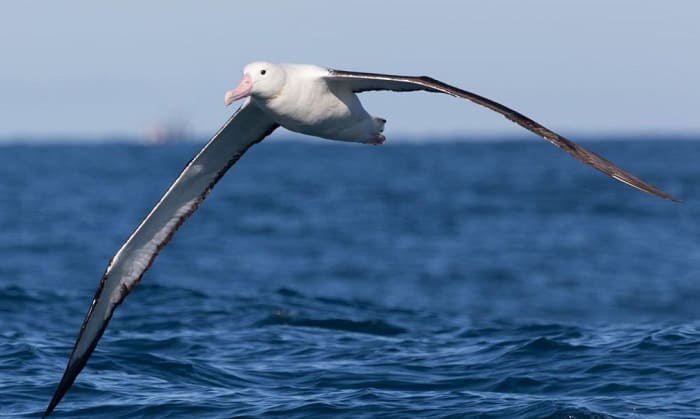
x=303, y=98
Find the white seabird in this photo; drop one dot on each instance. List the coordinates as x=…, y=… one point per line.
x=303, y=98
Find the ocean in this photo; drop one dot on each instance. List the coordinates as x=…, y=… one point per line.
x=319, y=279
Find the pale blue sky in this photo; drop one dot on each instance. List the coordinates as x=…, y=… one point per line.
x=580, y=67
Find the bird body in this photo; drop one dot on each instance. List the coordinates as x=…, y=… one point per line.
x=312, y=104
x=302, y=98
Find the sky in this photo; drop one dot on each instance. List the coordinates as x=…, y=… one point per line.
x=87, y=70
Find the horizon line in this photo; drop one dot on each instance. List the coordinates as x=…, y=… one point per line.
x=416, y=138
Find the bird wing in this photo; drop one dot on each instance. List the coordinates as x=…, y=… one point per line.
x=248, y=126
x=362, y=82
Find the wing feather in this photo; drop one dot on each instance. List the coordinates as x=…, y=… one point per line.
x=362, y=82
x=248, y=126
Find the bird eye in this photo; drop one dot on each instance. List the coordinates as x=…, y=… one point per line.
x=262, y=72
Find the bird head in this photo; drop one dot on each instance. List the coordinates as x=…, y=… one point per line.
x=260, y=80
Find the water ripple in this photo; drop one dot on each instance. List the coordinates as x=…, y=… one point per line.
x=441, y=280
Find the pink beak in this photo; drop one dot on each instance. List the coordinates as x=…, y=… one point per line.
x=242, y=90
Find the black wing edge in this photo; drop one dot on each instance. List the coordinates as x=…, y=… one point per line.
x=73, y=369
x=432, y=85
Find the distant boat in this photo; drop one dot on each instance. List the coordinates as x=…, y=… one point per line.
x=174, y=130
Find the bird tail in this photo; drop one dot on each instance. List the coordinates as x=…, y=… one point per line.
x=379, y=123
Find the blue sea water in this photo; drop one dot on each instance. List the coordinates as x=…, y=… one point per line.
x=489, y=280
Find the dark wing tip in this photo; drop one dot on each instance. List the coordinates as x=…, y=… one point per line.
x=69, y=376
x=637, y=183
x=77, y=362
x=66, y=383
x=599, y=163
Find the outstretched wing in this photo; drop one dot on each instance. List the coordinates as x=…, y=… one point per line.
x=248, y=126
x=362, y=82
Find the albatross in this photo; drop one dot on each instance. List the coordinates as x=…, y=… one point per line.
x=304, y=98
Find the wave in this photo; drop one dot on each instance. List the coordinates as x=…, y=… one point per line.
x=370, y=327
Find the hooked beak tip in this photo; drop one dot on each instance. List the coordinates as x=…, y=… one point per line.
x=242, y=90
